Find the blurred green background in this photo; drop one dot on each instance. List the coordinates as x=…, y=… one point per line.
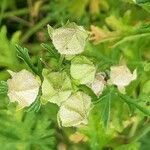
x=120, y=32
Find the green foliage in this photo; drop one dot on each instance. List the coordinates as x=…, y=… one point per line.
x=146, y=6
x=98, y=136
x=23, y=54
x=105, y=107
x=145, y=142
x=128, y=100
x=25, y=130
x=3, y=87
x=52, y=51
x=8, y=53
x=116, y=121
x=8, y=57
x=132, y=146
x=142, y=1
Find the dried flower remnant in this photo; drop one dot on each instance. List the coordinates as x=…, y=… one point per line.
x=121, y=76
x=78, y=137
x=23, y=88
x=98, y=34
x=83, y=70
x=74, y=111
x=69, y=39
x=56, y=87
x=98, y=84
x=94, y=7
x=61, y=146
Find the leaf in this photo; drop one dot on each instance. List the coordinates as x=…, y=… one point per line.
x=8, y=58
x=3, y=87
x=88, y=91
x=97, y=134
x=146, y=6
x=145, y=144
x=105, y=109
x=7, y=51
x=142, y=1
x=52, y=51
x=133, y=102
x=29, y=130
x=130, y=146
x=146, y=88
x=99, y=35
x=77, y=7
x=137, y=33
x=24, y=55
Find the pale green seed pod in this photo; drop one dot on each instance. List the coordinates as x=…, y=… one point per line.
x=83, y=70
x=56, y=87
x=69, y=39
x=74, y=111
x=23, y=88
x=121, y=76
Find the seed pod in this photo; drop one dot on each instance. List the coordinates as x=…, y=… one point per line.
x=23, y=88
x=56, y=87
x=121, y=76
x=69, y=39
x=98, y=84
x=74, y=111
x=83, y=70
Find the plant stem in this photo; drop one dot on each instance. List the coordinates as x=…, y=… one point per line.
x=61, y=61
x=31, y=31
x=21, y=12
x=131, y=38
x=134, y=127
x=134, y=103
x=121, y=140
x=140, y=133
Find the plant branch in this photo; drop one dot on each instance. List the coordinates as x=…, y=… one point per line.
x=21, y=12
x=140, y=133
x=134, y=103
x=38, y=26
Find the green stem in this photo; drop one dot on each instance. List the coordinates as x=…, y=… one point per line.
x=134, y=127
x=100, y=99
x=60, y=61
x=21, y=12
x=16, y=13
x=31, y=31
x=121, y=140
x=134, y=103
x=131, y=38
x=140, y=133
